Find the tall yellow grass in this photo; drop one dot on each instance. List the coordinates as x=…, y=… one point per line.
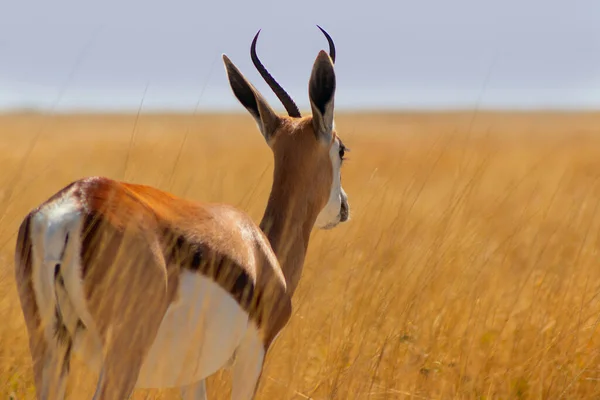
x=470, y=268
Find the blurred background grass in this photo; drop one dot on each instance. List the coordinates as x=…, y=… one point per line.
x=469, y=269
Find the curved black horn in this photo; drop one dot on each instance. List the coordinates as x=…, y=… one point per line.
x=286, y=100
x=331, y=45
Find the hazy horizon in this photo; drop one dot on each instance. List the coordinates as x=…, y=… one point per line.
x=108, y=56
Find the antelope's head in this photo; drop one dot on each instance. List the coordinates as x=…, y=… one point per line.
x=307, y=150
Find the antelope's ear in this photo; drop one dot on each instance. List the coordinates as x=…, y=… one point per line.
x=321, y=91
x=266, y=119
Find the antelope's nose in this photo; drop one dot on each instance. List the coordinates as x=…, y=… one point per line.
x=344, y=210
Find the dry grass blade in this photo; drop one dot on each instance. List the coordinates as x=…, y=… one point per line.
x=469, y=269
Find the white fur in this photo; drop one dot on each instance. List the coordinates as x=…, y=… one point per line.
x=197, y=391
x=49, y=228
x=248, y=366
x=197, y=337
x=330, y=215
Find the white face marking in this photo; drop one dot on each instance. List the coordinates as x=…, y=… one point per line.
x=331, y=214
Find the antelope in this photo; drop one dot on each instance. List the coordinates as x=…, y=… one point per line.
x=151, y=290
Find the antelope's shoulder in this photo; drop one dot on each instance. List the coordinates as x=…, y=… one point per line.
x=230, y=232
x=222, y=229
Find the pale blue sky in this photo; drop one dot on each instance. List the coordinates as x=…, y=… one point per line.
x=66, y=54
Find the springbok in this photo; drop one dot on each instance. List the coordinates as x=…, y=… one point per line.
x=155, y=291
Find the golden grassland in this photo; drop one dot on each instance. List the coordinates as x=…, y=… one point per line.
x=470, y=268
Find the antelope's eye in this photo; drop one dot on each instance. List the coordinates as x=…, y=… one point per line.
x=342, y=151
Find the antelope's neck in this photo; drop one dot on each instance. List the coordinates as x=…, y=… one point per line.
x=287, y=223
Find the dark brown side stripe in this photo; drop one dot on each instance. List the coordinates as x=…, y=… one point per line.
x=101, y=242
x=199, y=258
x=24, y=247
x=24, y=270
